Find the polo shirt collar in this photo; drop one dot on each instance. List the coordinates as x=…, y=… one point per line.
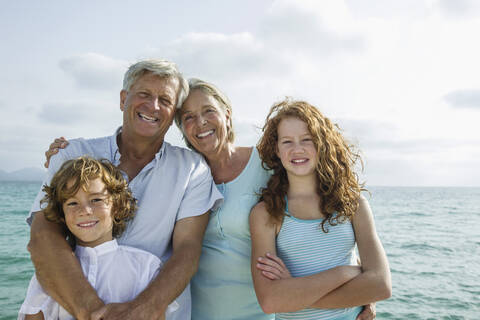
x=116, y=153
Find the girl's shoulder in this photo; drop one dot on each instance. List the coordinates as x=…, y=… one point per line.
x=259, y=216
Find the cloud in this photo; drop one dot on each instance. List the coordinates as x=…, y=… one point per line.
x=458, y=8
x=94, y=71
x=388, y=9
x=468, y=98
x=220, y=56
x=304, y=27
x=81, y=114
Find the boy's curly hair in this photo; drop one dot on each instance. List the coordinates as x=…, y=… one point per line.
x=83, y=170
x=337, y=182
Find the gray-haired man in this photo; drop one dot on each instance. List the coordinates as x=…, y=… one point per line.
x=174, y=189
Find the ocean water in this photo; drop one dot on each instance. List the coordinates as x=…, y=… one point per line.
x=431, y=236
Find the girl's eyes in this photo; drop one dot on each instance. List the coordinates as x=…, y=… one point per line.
x=286, y=141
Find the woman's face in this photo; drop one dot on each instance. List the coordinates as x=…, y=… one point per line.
x=204, y=122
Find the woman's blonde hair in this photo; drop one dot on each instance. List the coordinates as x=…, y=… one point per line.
x=337, y=182
x=83, y=170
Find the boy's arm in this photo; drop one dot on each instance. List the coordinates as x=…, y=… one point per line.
x=58, y=270
x=172, y=279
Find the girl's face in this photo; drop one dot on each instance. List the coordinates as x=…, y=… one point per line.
x=88, y=214
x=295, y=147
x=204, y=122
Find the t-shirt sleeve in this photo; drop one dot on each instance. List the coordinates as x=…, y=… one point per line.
x=37, y=300
x=201, y=194
x=55, y=163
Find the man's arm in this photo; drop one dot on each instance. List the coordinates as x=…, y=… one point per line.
x=58, y=270
x=172, y=279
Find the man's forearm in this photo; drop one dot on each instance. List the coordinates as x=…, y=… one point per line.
x=58, y=270
x=171, y=281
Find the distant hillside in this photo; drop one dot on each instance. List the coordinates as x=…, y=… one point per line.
x=25, y=174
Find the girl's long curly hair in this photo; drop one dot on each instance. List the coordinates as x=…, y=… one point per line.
x=337, y=183
x=83, y=170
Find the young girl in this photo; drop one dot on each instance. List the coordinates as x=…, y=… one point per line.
x=93, y=201
x=311, y=215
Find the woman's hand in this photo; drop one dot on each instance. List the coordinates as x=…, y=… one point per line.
x=272, y=267
x=56, y=144
x=369, y=312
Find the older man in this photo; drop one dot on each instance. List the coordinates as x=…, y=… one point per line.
x=174, y=189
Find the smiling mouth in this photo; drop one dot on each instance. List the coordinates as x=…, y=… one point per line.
x=147, y=118
x=88, y=224
x=205, y=134
x=299, y=161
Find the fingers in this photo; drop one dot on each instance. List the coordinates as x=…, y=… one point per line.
x=368, y=312
x=98, y=315
x=276, y=259
x=265, y=266
x=58, y=143
x=270, y=275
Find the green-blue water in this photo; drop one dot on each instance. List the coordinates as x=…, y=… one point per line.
x=431, y=236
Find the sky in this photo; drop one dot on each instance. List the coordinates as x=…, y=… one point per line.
x=400, y=77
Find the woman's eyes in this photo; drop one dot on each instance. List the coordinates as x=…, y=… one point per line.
x=187, y=117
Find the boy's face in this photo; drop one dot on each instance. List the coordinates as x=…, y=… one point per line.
x=88, y=214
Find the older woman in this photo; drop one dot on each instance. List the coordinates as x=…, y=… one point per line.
x=222, y=287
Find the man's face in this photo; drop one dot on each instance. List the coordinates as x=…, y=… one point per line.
x=149, y=106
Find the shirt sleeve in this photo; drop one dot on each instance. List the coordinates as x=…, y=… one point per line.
x=201, y=194
x=37, y=300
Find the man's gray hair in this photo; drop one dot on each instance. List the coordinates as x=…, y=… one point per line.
x=158, y=67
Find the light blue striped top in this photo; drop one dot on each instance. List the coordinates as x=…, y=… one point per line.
x=306, y=250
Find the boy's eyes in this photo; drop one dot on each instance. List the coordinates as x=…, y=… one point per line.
x=72, y=203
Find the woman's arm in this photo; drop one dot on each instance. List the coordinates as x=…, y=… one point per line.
x=374, y=283
x=290, y=294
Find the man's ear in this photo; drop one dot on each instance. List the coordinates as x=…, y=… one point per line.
x=123, y=97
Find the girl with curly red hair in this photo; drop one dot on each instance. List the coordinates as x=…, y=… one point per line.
x=310, y=217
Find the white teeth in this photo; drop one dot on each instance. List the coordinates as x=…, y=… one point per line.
x=145, y=117
x=299, y=160
x=87, y=224
x=202, y=135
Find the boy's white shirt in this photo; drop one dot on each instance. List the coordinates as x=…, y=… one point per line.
x=118, y=273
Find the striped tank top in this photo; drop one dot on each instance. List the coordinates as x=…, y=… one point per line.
x=306, y=249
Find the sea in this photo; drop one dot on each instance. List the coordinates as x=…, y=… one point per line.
x=431, y=237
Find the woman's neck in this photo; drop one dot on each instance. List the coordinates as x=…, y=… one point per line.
x=228, y=163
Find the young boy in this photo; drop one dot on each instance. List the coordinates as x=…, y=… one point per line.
x=92, y=200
